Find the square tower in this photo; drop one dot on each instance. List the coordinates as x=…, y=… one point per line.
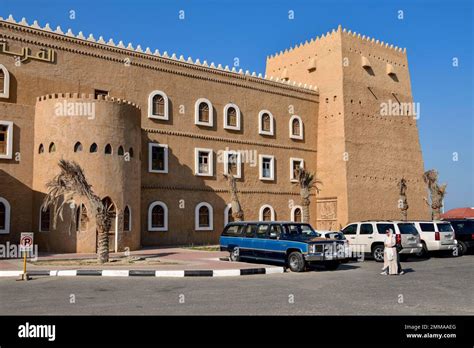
x=367, y=135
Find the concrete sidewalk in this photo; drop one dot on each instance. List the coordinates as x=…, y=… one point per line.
x=158, y=259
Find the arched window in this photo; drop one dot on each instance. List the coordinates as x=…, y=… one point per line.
x=267, y=213
x=81, y=218
x=296, y=214
x=41, y=149
x=52, y=147
x=127, y=219
x=93, y=148
x=4, y=216
x=111, y=210
x=228, y=214
x=203, y=113
x=158, y=105
x=158, y=217
x=45, y=220
x=4, y=82
x=130, y=152
x=108, y=149
x=296, y=127
x=203, y=217
x=120, y=151
x=232, y=117
x=78, y=147
x=265, y=123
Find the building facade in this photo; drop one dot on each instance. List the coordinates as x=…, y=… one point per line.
x=155, y=135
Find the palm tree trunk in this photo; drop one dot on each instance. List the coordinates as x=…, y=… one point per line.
x=305, y=201
x=102, y=245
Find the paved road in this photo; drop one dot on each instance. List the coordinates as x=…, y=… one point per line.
x=434, y=286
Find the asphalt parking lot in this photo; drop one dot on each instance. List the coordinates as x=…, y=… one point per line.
x=439, y=285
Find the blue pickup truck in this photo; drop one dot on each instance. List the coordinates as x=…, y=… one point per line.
x=294, y=244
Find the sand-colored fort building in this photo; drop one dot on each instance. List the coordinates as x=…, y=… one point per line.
x=152, y=132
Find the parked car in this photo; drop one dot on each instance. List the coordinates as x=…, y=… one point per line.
x=464, y=233
x=332, y=234
x=435, y=236
x=368, y=237
x=296, y=245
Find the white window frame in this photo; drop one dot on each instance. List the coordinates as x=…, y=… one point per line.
x=196, y=217
x=7, y=216
x=40, y=221
x=226, y=213
x=237, y=175
x=272, y=167
x=130, y=218
x=165, y=117
x=260, y=123
x=262, y=208
x=237, y=115
x=6, y=83
x=150, y=162
x=301, y=135
x=165, y=211
x=292, y=213
x=210, y=123
x=197, y=150
x=292, y=160
x=9, y=154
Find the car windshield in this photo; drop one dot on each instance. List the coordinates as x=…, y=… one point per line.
x=407, y=228
x=445, y=227
x=302, y=230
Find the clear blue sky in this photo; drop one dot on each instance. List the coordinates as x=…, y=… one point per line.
x=432, y=31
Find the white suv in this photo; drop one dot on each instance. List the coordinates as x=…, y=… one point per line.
x=435, y=236
x=368, y=237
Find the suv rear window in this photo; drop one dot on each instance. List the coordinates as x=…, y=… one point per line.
x=382, y=228
x=407, y=228
x=427, y=227
x=250, y=231
x=445, y=227
x=233, y=231
x=463, y=227
x=262, y=231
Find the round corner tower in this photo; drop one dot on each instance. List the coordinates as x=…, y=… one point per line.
x=104, y=137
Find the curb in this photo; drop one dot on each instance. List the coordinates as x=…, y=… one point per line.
x=147, y=273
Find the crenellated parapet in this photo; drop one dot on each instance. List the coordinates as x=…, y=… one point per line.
x=156, y=54
x=330, y=35
x=85, y=96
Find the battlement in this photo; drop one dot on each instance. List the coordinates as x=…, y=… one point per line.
x=330, y=35
x=148, y=53
x=87, y=97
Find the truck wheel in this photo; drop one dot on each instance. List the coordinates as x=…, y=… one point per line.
x=377, y=252
x=462, y=248
x=234, y=255
x=296, y=262
x=423, y=253
x=332, y=265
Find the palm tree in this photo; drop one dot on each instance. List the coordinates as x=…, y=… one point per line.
x=403, y=202
x=306, y=182
x=71, y=184
x=237, y=212
x=437, y=193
